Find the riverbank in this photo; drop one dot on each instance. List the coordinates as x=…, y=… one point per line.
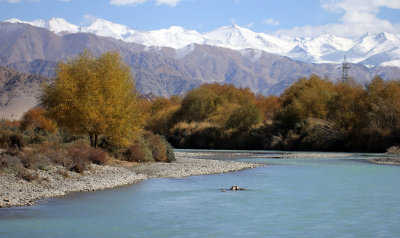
x=189, y=164
x=386, y=161
x=54, y=182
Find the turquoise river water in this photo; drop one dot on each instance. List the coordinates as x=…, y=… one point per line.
x=290, y=198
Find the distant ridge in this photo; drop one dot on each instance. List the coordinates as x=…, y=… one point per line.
x=371, y=50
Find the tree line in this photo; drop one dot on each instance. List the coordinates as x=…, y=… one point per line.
x=314, y=113
x=96, y=97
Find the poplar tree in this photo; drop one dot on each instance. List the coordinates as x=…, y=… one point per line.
x=94, y=96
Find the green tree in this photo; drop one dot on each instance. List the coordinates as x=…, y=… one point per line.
x=244, y=118
x=347, y=107
x=95, y=96
x=198, y=105
x=306, y=98
x=384, y=102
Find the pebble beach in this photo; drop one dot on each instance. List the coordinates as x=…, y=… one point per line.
x=15, y=191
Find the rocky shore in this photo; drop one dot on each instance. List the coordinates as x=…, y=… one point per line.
x=301, y=155
x=185, y=166
x=386, y=161
x=15, y=191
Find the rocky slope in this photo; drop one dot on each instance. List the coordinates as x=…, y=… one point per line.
x=18, y=92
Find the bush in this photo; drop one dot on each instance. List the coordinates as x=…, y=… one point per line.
x=69, y=138
x=157, y=146
x=11, y=139
x=32, y=159
x=10, y=163
x=36, y=119
x=27, y=175
x=169, y=151
x=79, y=154
x=110, y=147
x=97, y=156
x=139, y=152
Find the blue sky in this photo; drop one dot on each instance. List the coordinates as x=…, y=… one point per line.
x=292, y=17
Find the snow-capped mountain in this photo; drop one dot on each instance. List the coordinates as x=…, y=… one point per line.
x=239, y=38
x=370, y=49
x=56, y=25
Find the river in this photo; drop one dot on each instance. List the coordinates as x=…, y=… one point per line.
x=343, y=197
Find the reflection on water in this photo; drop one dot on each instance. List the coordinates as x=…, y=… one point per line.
x=330, y=197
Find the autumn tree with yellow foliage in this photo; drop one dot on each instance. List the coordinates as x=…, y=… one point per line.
x=94, y=96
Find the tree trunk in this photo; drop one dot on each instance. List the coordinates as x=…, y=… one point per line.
x=95, y=140
x=91, y=140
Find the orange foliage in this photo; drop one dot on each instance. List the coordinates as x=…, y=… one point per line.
x=268, y=106
x=36, y=118
x=9, y=124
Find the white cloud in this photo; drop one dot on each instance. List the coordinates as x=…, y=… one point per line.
x=358, y=17
x=171, y=3
x=271, y=21
x=18, y=1
x=88, y=19
x=126, y=2
x=11, y=1
x=64, y=0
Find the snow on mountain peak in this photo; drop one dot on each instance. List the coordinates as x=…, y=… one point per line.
x=323, y=48
x=106, y=28
x=14, y=20
x=56, y=25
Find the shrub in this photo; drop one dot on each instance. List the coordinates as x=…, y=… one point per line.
x=97, y=156
x=169, y=151
x=53, y=152
x=36, y=139
x=79, y=154
x=157, y=146
x=69, y=138
x=63, y=173
x=27, y=175
x=10, y=163
x=36, y=119
x=12, y=151
x=32, y=159
x=110, y=147
x=139, y=151
x=11, y=139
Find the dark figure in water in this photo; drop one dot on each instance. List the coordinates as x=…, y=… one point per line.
x=236, y=188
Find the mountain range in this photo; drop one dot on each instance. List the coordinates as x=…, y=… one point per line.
x=174, y=63
x=370, y=49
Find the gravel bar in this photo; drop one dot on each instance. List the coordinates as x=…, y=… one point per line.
x=305, y=155
x=184, y=166
x=55, y=182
